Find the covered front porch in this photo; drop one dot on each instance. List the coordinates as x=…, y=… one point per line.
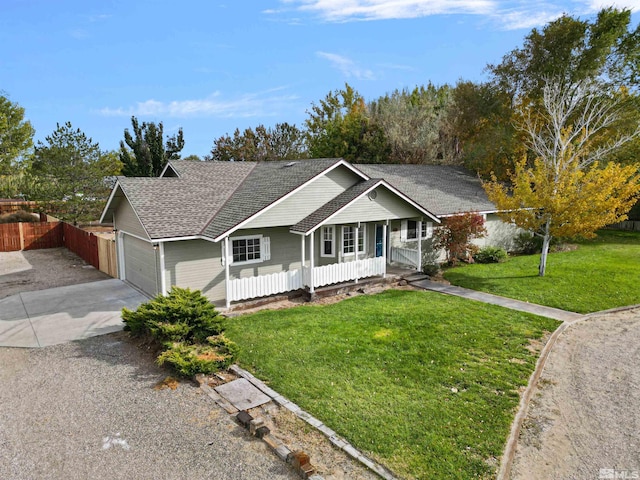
x=345, y=240
x=330, y=256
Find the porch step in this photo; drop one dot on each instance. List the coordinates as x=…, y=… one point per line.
x=415, y=277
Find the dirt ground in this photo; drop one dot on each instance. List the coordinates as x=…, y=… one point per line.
x=40, y=269
x=584, y=420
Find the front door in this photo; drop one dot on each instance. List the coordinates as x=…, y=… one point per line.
x=379, y=242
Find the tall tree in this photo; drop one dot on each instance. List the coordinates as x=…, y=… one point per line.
x=483, y=120
x=416, y=125
x=567, y=192
x=339, y=126
x=282, y=142
x=70, y=174
x=16, y=135
x=145, y=153
x=571, y=50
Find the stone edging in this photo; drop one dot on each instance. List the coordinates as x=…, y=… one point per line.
x=333, y=437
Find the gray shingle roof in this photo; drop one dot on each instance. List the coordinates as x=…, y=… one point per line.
x=333, y=205
x=268, y=182
x=209, y=198
x=441, y=189
x=182, y=206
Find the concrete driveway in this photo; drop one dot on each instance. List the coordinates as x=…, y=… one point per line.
x=63, y=314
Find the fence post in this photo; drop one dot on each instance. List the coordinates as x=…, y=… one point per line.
x=21, y=230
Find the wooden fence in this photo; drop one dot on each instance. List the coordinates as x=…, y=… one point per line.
x=10, y=206
x=631, y=225
x=97, y=251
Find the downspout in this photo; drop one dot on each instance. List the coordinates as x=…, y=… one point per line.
x=227, y=281
x=303, y=262
x=311, y=264
x=163, y=278
x=420, y=245
x=384, y=250
x=357, y=240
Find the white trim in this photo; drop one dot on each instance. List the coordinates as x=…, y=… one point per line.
x=481, y=212
x=168, y=165
x=137, y=236
x=239, y=226
x=118, y=185
x=419, y=231
x=366, y=192
x=163, y=277
x=333, y=241
x=111, y=195
x=246, y=262
x=227, y=280
x=120, y=252
x=311, y=264
x=356, y=234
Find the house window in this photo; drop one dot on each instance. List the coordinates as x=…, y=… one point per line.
x=427, y=230
x=245, y=249
x=328, y=242
x=348, y=240
x=412, y=230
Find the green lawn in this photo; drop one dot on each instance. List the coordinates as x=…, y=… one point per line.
x=426, y=384
x=602, y=273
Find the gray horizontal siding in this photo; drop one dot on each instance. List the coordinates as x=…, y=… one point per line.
x=195, y=264
x=299, y=205
x=386, y=205
x=127, y=221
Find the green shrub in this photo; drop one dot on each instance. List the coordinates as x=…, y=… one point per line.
x=491, y=255
x=430, y=257
x=17, y=217
x=182, y=315
x=188, y=360
x=188, y=328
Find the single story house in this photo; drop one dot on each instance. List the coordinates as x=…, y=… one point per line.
x=241, y=230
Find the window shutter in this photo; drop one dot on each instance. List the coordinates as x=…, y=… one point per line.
x=266, y=248
x=222, y=254
x=429, y=229
x=403, y=231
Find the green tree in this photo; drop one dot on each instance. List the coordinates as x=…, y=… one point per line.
x=482, y=117
x=567, y=192
x=339, y=126
x=282, y=142
x=416, y=125
x=70, y=174
x=145, y=153
x=16, y=136
x=571, y=50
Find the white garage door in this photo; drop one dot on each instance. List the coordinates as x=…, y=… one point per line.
x=140, y=264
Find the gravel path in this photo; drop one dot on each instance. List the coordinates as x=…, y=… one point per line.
x=41, y=269
x=585, y=415
x=89, y=409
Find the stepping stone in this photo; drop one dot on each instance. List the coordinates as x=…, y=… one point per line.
x=242, y=394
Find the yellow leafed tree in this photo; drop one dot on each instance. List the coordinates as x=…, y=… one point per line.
x=567, y=192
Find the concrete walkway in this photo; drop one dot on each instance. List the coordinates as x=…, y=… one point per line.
x=63, y=314
x=541, y=310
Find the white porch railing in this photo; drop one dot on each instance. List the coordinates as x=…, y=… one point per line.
x=343, y=272
x=264, y=285
x=405, y=255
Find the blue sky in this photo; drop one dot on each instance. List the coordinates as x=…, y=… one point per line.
x=211, y=66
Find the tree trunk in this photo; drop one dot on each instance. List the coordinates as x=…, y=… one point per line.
x=545, y=250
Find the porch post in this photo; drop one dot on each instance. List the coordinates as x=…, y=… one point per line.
x=419, y=245
x=227, y=282
x=356, y=248
x=384, y=249
x=312, y=252
x=303, y=239
x=388, y=244
x=163, y=278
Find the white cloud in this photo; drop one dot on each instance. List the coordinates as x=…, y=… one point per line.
x=347, y=66
x=507, y=14
x=246, y=105
x=348, y=10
